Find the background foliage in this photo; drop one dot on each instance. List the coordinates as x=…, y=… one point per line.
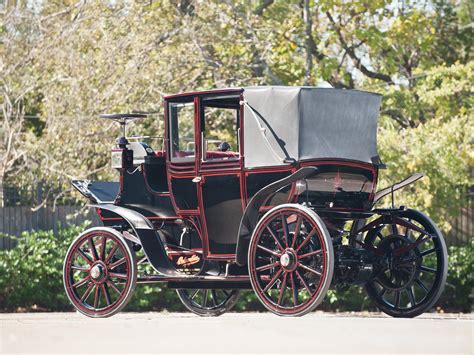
x=64, y=62
x=32, y=280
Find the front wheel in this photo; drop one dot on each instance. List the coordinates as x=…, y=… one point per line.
x=100, y=272
x=290, y=260
x=416, y=263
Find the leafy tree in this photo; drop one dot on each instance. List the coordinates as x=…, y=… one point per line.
x=64, y=62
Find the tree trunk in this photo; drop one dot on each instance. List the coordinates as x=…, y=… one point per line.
x=2, y=202
x=308, y=24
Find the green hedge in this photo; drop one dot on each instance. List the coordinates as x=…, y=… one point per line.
x=31, y=279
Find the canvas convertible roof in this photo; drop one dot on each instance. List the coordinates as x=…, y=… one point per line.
x=285, y=123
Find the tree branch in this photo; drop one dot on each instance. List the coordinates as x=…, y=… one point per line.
x=351, y=53
x=398, y=117
x=262, y=6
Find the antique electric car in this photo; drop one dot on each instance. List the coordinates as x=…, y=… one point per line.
x=264, y=188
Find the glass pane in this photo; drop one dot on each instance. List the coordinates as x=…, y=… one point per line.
x=221, y=133
x=182, y=131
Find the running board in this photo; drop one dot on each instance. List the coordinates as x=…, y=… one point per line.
x=199, y=282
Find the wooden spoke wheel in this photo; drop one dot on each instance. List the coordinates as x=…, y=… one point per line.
x=99, y=272
x=208, y=303
x=290, y=260
x=414, y=273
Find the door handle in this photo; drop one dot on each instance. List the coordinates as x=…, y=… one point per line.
x=197, y=179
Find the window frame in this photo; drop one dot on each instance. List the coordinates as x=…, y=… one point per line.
x=187, y=159
x=203, y=125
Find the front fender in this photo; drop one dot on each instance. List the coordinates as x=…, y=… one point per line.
x=399, y=185
x=250, y=217
x=149, y=238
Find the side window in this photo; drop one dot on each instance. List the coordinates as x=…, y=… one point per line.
x=182, y=131
x=220, y=135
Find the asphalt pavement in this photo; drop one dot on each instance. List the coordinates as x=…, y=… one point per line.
x=235, y=333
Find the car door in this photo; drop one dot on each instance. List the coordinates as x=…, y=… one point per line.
x=220, y=172
x=182, y=151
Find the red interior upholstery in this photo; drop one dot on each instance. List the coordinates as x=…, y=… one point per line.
x=220, y=155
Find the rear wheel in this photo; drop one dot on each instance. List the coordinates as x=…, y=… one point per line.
x=100, y=272
x=208, y=303
x=414, y=275
x=290, y=260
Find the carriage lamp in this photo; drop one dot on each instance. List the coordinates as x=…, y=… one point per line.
x=122, y=157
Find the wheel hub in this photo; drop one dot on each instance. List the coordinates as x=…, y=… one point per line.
x=400, y=272
x=288, y=260
x=98, y=272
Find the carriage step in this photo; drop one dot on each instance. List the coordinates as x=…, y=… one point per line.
x=200, y=282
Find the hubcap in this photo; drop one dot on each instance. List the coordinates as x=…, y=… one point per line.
x=403, y=270
x=288, y=260
x=285, y=260
x=97, y=272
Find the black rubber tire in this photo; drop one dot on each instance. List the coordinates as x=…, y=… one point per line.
x=440, y=277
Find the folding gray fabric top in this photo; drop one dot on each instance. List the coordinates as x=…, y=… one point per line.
x=309, y=123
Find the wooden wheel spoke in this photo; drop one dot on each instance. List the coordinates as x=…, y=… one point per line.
x=96, y=296
x=272, y=233
x=397, y=299
x=273, y=280
x=214, y=297
x=194, y=294
x=299, y=220
x=111, y=253
x=286, y=233
x=428, y=269
x=294, y=289
x=205, y=297
x=118, y=276
x=111, y=284
x=88, y=292
x=79, y=268
x=102, y=248
x=117, y=263
x=428, y=252
x=105, y=291
x=422, y=285
x=93, y=249
x=312, y=253
x=306, y=240
x=420, y=240
x=268, y=266
x=411, y=296
x=306, y=286
x=85, y=256
x=81, y=282
x=282, y=289
x=307, y=268
x=272, y=252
